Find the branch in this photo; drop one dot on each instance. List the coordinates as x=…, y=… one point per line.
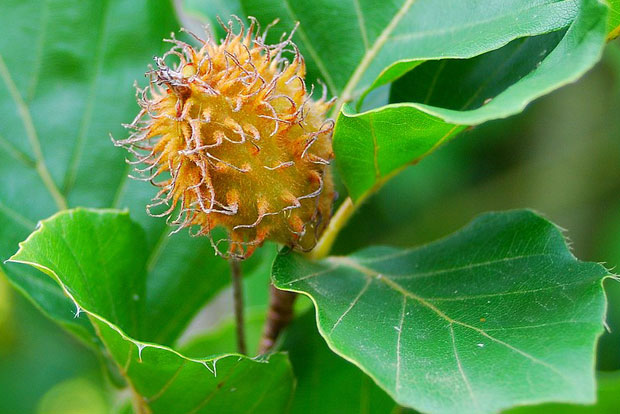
x=279, y=315
x=235, y=273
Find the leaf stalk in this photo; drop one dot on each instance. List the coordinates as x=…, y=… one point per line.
x=236, y=276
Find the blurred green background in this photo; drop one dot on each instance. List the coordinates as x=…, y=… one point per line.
x=560, y=157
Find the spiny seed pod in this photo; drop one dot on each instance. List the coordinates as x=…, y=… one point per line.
x=235, y=140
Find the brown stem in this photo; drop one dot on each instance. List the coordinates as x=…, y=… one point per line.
x=278, y=317
x=235, y=273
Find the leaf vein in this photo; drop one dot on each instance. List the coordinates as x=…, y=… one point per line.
x=31, y=133
x=347, y=262
x=17, y=217
x=39, y=50
x=499, y=294
x=167, y=385
x=312, y=275
x=206, y=400
x=541, y=325
x=90, y=102
x=16, y=153
x=355, y=300
x=459, y=364
x=371, y=54
x=424, y=302
x=398, y=344
x=361, y=23
x=375, y=147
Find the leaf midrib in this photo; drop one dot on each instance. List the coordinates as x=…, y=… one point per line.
x=346, y=261
x=39, y=50
x=370, y=55
x=361, y=23
x=87, y=115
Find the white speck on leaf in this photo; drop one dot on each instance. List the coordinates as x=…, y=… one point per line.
x=207, y=367
x=140, y=348
x=78, y=310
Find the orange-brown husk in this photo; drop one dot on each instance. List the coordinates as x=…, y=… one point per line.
x=232, y=138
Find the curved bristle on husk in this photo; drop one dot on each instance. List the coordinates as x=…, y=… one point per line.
x=232, y=138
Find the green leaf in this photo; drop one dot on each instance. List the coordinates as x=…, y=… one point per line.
x=447, y=93
x=60, y=98
x=498, y=314
x=372, y=147
x=613, y=22
x=92, y=256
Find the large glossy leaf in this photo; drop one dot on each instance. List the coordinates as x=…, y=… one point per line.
x=66, y=74
x=94, y=257
x=498, y=314
x=441, y=94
